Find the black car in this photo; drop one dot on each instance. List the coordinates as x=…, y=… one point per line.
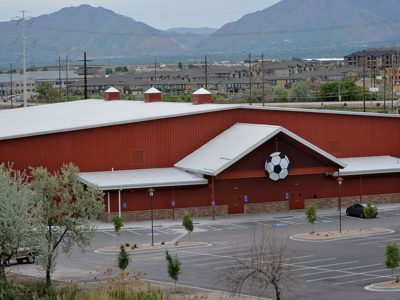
x=357, y=210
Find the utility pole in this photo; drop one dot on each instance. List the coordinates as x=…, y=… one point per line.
x=206, y=72
x=11, y=85
x=85, y=60
x=85, y=74
x=340, y=96
x=66, y=77
x=24, y=37
x=384, y=91
x=250, y=79
x=155, y=71
x=364, y=81
x=59, y=77
x=263, y=79
x=396, y=77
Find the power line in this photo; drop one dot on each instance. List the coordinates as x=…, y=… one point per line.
x=24, y=37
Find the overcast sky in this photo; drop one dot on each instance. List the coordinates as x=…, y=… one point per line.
x=162, y=14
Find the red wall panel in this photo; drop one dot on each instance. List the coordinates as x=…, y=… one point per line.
x=136, y=200
x=166, y=141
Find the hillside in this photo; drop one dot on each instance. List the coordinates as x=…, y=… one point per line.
x=310, y=28
x=70, y=31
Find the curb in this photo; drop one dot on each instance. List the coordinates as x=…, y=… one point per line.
x=99, y=251
x=341, y=238
x=371, y=288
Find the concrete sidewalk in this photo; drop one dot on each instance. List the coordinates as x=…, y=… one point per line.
x=242, y=218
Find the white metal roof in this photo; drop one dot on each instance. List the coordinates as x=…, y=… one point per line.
x=369, y=165
x=152, y=90
x=83, y=114
x=202, y=91
x=233, y=144
x=144, y=178
x=112, y=90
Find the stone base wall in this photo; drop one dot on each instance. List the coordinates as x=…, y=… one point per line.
x=251, y=208
x=166, y=214
x=347, y=201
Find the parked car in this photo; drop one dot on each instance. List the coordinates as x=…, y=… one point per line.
x=22, y=255
x=357, y=210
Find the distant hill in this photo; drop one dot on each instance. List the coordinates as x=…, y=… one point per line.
x=189, y=38
x=301, y=28
x=309, y=28
x=70, y=31
x=199, y=31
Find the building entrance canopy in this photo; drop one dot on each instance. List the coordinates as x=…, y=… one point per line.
x=137, y=179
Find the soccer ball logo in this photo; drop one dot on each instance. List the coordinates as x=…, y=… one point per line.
x=277, y=166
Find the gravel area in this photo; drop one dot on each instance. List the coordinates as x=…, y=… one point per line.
x=328, y=235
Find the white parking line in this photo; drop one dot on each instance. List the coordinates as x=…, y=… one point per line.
x=337, y=270
x=232, y=224
x=351, y=274
x=311, y=261
x=291, y=258
x=263, y=224
x=364, y=279
x=323, y=266
x=383, y=239
x=138, y=233
x=106, y=232
x=215, y=263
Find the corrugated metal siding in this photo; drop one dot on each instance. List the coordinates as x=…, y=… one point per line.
x=356, y=135
x=140, y=200
x=166, y=141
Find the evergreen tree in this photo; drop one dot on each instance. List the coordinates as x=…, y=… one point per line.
x=311, y=214
x=174, y=266
x=369, y=212
x=187, y=222
x=392, y=257
x=123, y=258
x=118, y=224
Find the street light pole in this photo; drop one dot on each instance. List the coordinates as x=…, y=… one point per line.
x=151, y=193
x=340, y=182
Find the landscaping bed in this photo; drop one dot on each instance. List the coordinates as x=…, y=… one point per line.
x=335, y=234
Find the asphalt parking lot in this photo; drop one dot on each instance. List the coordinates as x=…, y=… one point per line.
x=337, y=269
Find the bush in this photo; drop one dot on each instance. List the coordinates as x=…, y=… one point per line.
x=123, y=258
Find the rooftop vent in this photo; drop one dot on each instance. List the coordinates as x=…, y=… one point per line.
x=112, y=94
x=152, y=95
x=201, y=96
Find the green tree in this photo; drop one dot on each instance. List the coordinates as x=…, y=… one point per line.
x=109, y=71
x=392, y=257
x=17, y=212
x=348, y=90
x=180, y=66
x=369, y=212
x=311, y=214
x=47, y=93
x=121, y=69
x=187, y=223
x=123, y=258
x=174, y=266
x=276, y=94
x=118, y=224
x=300, y=92
x=66, y=209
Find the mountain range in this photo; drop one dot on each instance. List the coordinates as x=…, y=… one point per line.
x=303, y=28
x=310, y=28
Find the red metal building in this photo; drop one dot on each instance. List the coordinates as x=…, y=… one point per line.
x=126, y=147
